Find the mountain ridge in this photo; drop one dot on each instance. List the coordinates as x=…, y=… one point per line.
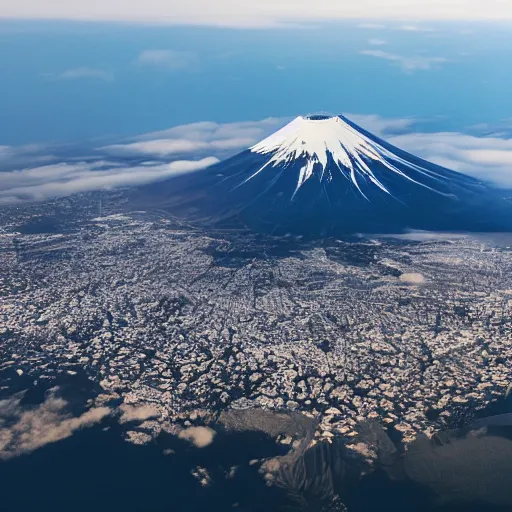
x=324, y=175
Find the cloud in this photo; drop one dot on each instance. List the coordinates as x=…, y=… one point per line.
x=200, y=142
x=169, y=147
x=263, y=13
x=169, y=59
x=209, y=137
x=137, y=413
x=86, y=73
x=209, y=130
x=371, y=26
x=412, y=278
x=486, y=158
x=382, y=126
x=408, y=64
x=416, y=28
x=63, y=179
x=223, y=139
x=198, y=145
x=377, y=42
x=28, y=154
x=500, y=130
x=198, y=436
x=23, y=430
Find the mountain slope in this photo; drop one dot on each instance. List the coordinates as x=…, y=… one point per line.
x=322, y=176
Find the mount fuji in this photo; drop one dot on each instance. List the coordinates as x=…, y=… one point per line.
x=324, y=175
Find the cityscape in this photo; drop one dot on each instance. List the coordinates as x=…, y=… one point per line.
x=413, y=332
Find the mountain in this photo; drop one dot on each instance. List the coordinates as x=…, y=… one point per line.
x=322, y=176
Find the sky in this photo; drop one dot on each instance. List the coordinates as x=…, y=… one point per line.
x=251, y=13
x=64, y=81
x=161, y=87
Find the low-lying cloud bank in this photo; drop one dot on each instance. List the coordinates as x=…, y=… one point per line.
x=486, y=158
x=23, y=430
x=57, y=180
x=407, y=63
x=39, y=174
x=210, y=137
x=26, y=428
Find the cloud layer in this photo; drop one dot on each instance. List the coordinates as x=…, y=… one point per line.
x=228, y=138
x=255, y=14
x=407, y=63
x=40, y=183
x=197, y=138
x=23, y=430
x=486, y=158
x=168, y=59
x=86, y=73
x=160, y=155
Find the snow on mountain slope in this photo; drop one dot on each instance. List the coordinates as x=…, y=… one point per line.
x=324, y=175
x=316, y=137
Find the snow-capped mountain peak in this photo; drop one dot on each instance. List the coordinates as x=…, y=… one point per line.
x=314, y=138
x=324, y=175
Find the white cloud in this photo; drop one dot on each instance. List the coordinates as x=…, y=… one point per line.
x=40, y=182
x=168, y=147
x=377, y=42
x=65, y=179
x=256, y=14
x=209, y=130
x=196, y=138
x=407, y=63
x=168, y=59
x=86, y=73
x=29, y=154
x=23, y=430
x=416, y=28
x=486, y=158
x=137, y=412
x=382, y=126
x=372, y=26
x=198, y=436
x=222, y=139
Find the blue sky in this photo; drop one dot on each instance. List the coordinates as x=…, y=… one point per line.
x=68, y=81
x=98, y=104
